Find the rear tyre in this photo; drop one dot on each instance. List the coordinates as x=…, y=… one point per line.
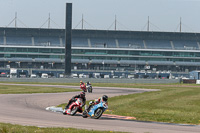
x=84, y=115
x=98, y=113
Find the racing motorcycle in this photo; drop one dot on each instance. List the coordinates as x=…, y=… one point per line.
x=95, y=111
x=89, y=88
x=83, y=87
x=75, y=107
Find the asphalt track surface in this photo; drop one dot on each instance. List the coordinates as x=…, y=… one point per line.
x=29, y=109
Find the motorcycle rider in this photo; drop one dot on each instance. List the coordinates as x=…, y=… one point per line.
x=104, y=98
x=82, y=85
x=73, y=99
x=88, y=83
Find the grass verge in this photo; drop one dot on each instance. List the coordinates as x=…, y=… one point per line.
x=171, y=104
x=9, y=128
x=15, y=89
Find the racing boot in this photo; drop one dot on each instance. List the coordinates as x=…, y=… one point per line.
x=64, y=112
x=66, y=107
x=88, y=109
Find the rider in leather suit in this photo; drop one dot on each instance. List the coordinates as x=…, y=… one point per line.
x=73, y=99
x=104, y=98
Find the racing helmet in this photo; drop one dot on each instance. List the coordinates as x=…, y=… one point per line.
x=105, y=98
x=81, y=81
x=82, y=94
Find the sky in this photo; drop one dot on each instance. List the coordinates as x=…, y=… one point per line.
x=131, y=15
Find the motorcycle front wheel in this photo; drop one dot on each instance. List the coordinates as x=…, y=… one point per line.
x=90, y=90
x=74, y=110
x=98, y=113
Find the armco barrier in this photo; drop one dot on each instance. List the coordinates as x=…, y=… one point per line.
x=92, y=80
x=189, y=81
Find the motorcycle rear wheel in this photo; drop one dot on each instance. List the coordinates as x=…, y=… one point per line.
x=84, y=115
x=64, y=112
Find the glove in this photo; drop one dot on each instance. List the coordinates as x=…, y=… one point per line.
x=91, y=102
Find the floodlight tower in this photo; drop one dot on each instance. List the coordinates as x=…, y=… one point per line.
x=68, y=39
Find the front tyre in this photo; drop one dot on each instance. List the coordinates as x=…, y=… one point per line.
x=90, y=89
x=74, y=110
x=98, y=113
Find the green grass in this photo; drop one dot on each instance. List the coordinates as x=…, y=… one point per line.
x=171, y=104
x=15, y=89
x=9, y=128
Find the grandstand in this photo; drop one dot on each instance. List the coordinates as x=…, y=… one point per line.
x=32, y=48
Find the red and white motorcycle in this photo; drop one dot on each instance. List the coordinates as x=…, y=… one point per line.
x=83, y=87
x=74, y=107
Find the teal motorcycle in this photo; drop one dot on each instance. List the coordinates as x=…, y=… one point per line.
x=95, y=111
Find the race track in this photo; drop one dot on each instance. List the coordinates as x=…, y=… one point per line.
x=29, y=109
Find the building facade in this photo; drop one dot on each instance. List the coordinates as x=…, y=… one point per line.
x=134, y=51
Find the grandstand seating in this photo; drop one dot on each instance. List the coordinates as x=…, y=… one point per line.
x=130, y=43
x=79, y=42
x=15, y=40
x=1, y=40
x=103, y=42
x=47, y=41
x=108, y=39
x=187, y=45
x=159, y=44
x=97, y=42
x=135, y=40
